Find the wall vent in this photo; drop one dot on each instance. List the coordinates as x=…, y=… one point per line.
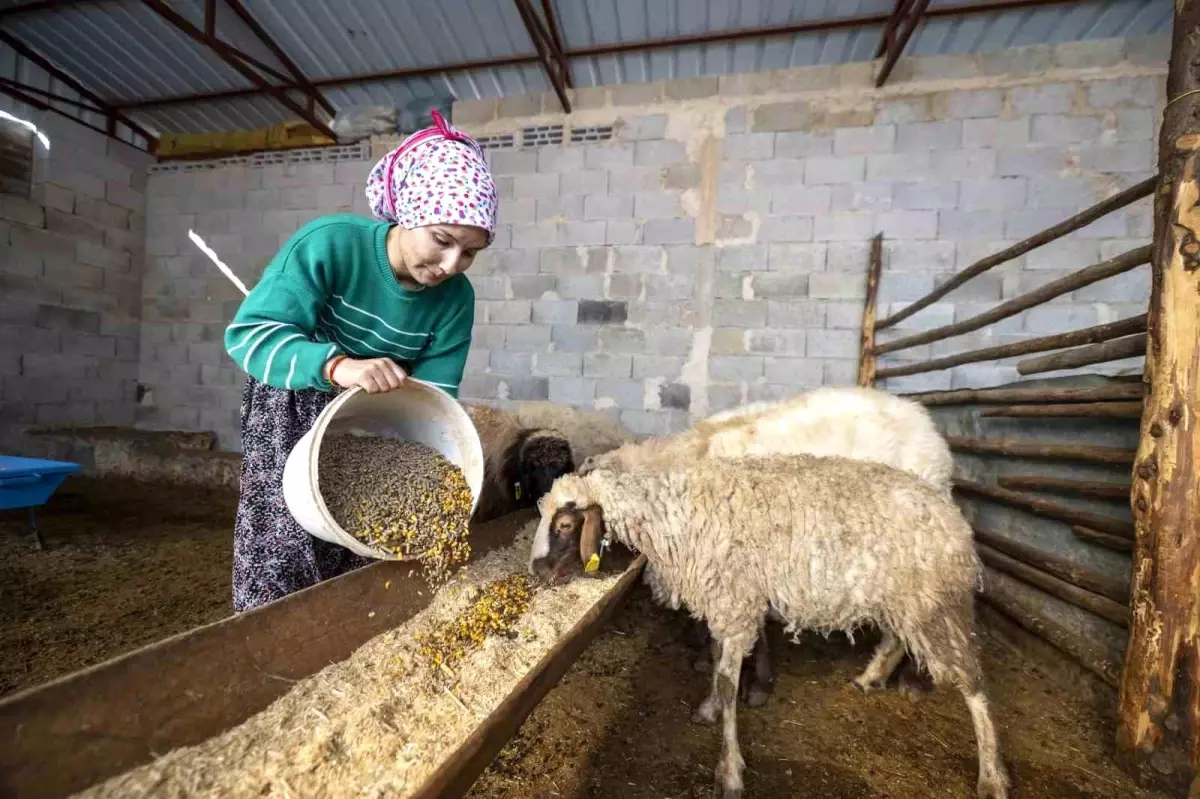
x=542, y=135
x=308, y=155
x=591, y=134
x=504, y=141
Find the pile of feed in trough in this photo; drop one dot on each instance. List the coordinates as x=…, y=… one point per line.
x=494, y=611
x=398, y=496
x=376, y=724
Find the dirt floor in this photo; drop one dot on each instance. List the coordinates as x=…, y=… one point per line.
x=618, y=725
x=125, y=565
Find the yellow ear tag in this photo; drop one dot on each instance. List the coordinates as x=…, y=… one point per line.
x=593, y=564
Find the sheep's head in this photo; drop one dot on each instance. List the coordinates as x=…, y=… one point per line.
x=544, y=456
x=570, y=532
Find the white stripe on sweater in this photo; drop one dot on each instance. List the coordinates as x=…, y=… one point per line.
x=338, y=333
x=250, y=334
x=291, y=372
x=250, y=352
x=271, y=357
x=372, y=332
x=381, y=321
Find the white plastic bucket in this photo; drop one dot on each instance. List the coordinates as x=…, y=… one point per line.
x=416, y=411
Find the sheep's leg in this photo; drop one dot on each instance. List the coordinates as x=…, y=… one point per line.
x=724, y=698
x=947, y=648
x=760, y=680
x=887, y=657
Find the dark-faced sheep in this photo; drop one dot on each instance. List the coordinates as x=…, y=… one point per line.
x=826, y=543
x=858, y=423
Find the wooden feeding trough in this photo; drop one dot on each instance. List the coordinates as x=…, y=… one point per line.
x=104, y=721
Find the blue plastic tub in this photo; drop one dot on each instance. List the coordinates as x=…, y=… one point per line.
x=28, y=483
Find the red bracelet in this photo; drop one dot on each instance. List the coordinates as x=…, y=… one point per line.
x=333, y=364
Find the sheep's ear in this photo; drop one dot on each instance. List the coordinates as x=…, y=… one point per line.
x=593, y=534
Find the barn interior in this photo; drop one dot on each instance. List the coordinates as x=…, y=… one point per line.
x=983, y=206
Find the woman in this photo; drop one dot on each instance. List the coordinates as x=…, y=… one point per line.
x=347, y=302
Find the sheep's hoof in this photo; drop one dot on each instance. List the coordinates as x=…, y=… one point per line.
x=705, y=714
x=913, y=687
x=757, y=695
x=995, y=788
x=724, y=792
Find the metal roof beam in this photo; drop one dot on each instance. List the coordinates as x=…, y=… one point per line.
x=525, y=59
x=226, y=54
x=107, y=108
x=907, y=13
x=17, y=91
x=551, y=57
x=290, y=65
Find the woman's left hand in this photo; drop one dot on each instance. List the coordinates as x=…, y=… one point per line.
x=373, y=375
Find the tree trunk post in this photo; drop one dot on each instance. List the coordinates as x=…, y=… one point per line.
x=866, y=354
x=1158, y=726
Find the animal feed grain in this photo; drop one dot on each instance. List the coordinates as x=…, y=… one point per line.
x=400, y=497
x=381, y=722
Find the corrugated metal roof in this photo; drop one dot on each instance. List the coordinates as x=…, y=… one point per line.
x=124, y=51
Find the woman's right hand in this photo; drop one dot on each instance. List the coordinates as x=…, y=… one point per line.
x=374, y=375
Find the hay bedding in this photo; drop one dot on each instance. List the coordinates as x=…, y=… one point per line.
x=379, y=723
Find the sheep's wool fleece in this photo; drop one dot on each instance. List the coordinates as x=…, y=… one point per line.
x=588, y=432
x=828, y=543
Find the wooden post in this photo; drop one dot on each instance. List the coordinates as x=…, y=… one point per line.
x=866, y=355
x=1158, y=725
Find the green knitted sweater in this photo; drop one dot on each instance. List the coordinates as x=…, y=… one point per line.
x=331, y=290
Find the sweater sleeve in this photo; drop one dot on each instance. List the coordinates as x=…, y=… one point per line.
x=272, y=335
x=444, y=361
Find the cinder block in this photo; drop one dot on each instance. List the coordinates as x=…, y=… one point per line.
x=666, y=367
x=835, y=169
x=632, y=259
x=1048, y=319
x=622, y=339
x=740, y=313
x=789, y=314
x=633, y=179
x=677, y=285
x=789, y=343
x=742, y=258
x=928, y=195
x=77, y=275
x=832, y=344
x=603, y=312
x=637, y=94
x=98, y=255
x=657, y=205
x=669, y=340
x=538, y=186
x=908, y=225
x=748, y=147
x=556, y=158
x=1037, y=162
x=1050, y=98
x=734, y=227
x=642, y=128
x=837, y=285
x=904, y=286
x=915, y=256
x=623, y=393
x=999, y=193
x=508, y=312
x=512, y=162
x=779, y=173
x=955, y=225
x=669, y=231
x=921, y=136
x=622, y=231
x=930, y=381
x=843, y=227
x=1089, y=53
x=774, y=285
x=527, y=338
x=1135, y=124
x=800, y=258
x=608, y=365
x=581, y=234
x=558, y=364
x=1125, y=157
x=691, y=88
x=560, y=209
x=962, y=164
x=735, y=368
x=124, y=196
x=861, y=196
x=801, y=199
x=531, y=287
x=581, y=287
x=786, y=229
x=76, y=227
x=784, y=375
x=905, y=111
x=528, y=388
x=968, y=104
x=1144, y=50
x=994, y=133
x=658, y=153
x=848, y=257
x=573, y=338
x=1124, y=92
x=802, y=144
x=864, y=141
x=517, y=212
x=783, y=116
x=843, y=315
x=906, y=166
x=1057, y=129
x=542, y=234
x=608, y=207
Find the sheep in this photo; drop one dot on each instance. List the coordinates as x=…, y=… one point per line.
x=858, y=423
x=827, y=543
x=520, y=464
x=589, y=432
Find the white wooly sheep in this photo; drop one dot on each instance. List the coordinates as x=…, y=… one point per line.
x=826, y=543
x=859, y=423
x=589, y=432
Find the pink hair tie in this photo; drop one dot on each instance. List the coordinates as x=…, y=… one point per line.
x=441, y=129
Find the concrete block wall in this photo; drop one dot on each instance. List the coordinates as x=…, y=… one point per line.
x=244, y=214
x=714, y=252
x=71, y=261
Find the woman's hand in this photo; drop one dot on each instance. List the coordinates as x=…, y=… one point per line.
x=375, y=375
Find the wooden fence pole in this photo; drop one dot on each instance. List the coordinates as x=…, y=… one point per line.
x=1158, y=725
x=866, y=354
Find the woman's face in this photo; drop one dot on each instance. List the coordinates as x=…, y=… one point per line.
x=436, y=253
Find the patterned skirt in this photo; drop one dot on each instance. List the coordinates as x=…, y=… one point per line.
x=272, y=555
